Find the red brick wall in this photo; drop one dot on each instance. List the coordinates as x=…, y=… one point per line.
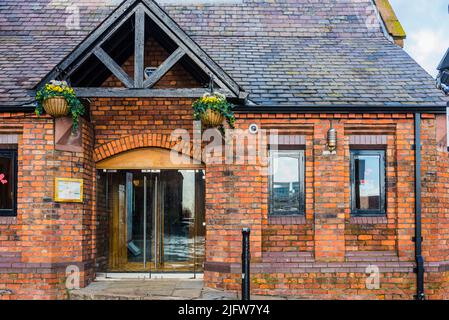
x=331, y=260
x=324, y=255
x=45, y=237
x=116, y=118
x=327, y=182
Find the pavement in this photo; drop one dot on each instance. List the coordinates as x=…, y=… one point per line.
x=155, y=289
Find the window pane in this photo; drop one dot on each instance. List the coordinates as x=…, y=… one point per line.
x=285, y=183
x=6, y=183
x=367, y=182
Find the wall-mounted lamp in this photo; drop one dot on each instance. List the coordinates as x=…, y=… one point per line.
x=149, y=71
x=332, y=139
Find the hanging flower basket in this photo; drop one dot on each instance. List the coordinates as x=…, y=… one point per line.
x=211, y=118
x=56, y=107
x=58, y=100
x=212, y=109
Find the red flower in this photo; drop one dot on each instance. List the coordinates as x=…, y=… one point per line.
x=2, y=179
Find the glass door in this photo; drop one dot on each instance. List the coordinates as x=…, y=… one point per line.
x=181, y=220
x=157, y=221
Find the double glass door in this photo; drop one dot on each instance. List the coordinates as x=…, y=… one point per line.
x=157, y=222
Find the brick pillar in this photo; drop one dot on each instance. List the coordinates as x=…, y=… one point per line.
x=234, y=200
x=329, y=196
x=405, y=189
x=72, y=224
x=54, y=235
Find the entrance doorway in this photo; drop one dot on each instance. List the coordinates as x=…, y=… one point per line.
x=156, y=220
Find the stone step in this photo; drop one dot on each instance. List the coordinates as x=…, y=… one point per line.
x=285, y=257
x=374, y=256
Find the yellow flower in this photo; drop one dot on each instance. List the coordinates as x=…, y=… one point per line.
x=210, y=99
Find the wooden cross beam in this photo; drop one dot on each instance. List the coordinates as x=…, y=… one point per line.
x=139, y=47
x=181, y=44
x=97, y=38
x=136, y=85
x=164, y=68
x=143, y=93
x=114, y=67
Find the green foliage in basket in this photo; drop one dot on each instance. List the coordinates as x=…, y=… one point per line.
x=216, y=102
x=60, y=89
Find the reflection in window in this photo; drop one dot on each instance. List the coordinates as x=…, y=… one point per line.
x=368, y=181
x=8, y=182
x=286, y=182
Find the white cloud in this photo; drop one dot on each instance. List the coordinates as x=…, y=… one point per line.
x=427, y=47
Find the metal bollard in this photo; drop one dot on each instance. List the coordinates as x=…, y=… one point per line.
x=245, y=264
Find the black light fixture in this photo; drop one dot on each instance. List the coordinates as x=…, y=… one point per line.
x=332, y=139
x=149, y=71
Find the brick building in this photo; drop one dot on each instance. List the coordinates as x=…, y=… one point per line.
x=324, y=223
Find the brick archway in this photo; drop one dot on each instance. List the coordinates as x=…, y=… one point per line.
x=157, y=140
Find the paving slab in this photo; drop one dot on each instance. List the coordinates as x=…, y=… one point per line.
x=157, y=289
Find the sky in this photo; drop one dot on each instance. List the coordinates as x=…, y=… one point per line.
x=426, y=23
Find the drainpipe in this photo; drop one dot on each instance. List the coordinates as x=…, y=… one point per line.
x=418, y=237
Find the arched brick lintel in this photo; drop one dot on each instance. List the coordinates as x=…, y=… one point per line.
x=157, y=140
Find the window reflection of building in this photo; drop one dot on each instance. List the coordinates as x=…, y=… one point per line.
x=286, y=187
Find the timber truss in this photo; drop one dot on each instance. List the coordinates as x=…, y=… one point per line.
x=133, y=16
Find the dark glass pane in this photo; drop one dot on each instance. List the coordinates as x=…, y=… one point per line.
x=178, y=215
x=367, y=182
x=135, y=219
x=6, y=182
x=285, y=183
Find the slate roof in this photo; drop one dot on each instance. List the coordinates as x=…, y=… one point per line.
x=284, y=52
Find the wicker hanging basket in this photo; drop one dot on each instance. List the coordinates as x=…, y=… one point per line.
x=56, y=107
x=212, y=118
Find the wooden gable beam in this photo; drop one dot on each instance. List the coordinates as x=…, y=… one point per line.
x=200, y=64
x=171, y=28
x=164, y=68
x=143, y=93
x=110, y=22
x=120, y=51
x=91, y=46
x=100, y=42
x=139, y=47
x=114, y=67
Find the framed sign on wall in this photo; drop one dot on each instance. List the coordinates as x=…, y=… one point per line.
x=68, y=190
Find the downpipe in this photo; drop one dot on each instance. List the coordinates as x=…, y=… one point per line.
x=419, y=270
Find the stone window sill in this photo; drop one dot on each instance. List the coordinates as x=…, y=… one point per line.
x=8, y=220
x=368, y=220
x=286, y=220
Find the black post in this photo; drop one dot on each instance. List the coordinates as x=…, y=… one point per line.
x=418, y=234
x=245, y=264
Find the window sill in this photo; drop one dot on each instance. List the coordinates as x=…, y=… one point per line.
x=8, y=220
x=369, y=220
x=287, y=220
